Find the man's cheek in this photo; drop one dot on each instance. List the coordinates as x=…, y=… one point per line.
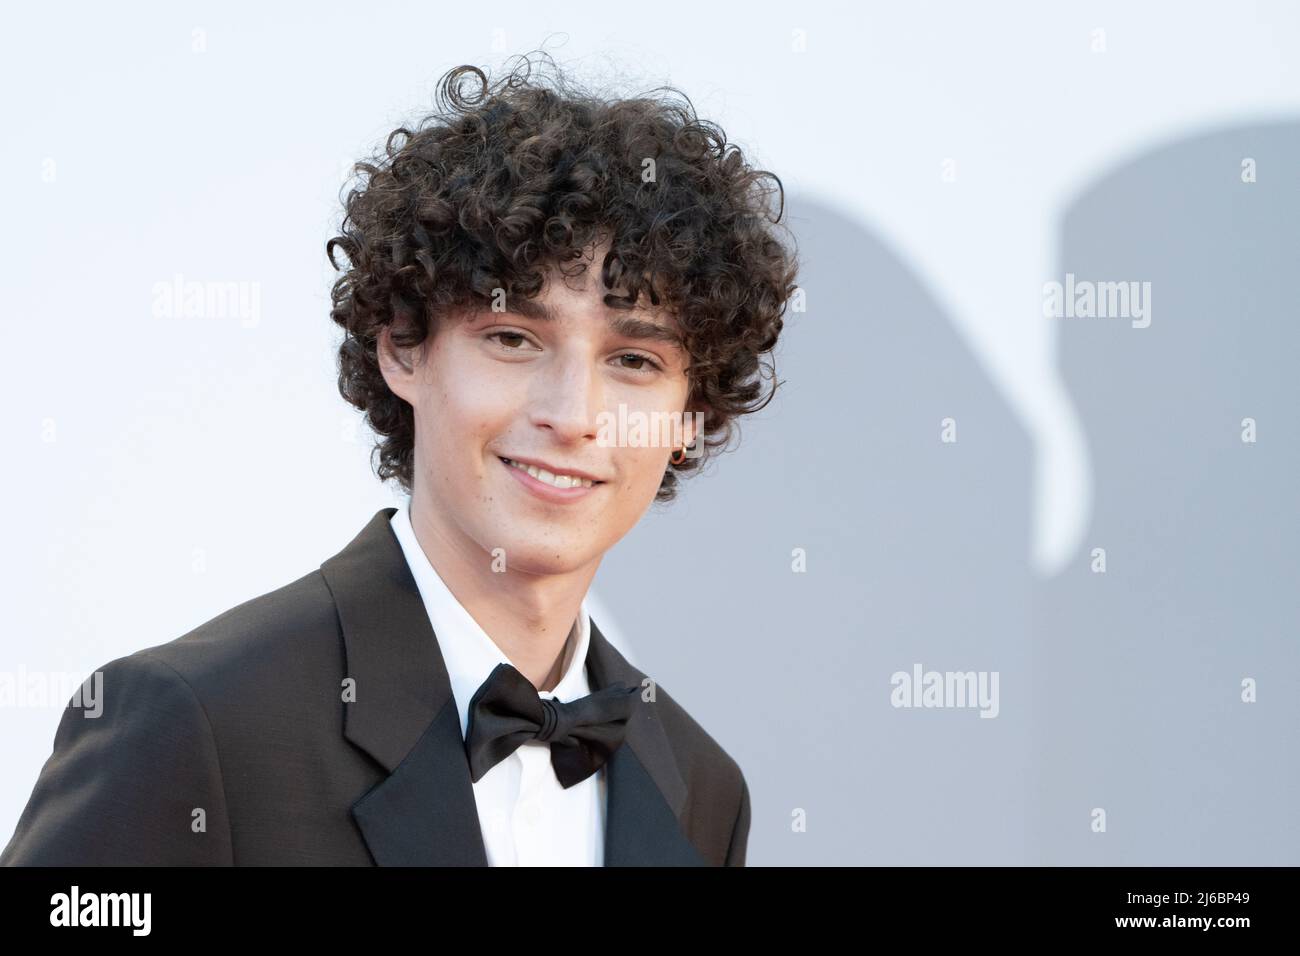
x=648, y=469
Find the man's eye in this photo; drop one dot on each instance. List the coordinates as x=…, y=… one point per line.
x=654, y=366
x=509, y=335
x=513, y=342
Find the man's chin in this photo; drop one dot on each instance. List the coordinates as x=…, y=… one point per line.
x=546, y=554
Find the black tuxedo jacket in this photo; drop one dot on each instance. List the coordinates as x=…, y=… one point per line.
x=246, y=719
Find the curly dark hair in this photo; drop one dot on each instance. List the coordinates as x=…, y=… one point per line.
x=512, y=177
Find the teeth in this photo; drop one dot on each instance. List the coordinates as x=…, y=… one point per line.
x=541, y=474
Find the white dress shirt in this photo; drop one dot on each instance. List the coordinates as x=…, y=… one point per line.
x=527, y=818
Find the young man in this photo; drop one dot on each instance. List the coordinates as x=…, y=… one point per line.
x=530, y=268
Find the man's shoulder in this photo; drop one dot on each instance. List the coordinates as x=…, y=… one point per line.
x=289, y=633
x=152, y=736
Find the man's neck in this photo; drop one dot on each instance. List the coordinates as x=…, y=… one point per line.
x=530, y=617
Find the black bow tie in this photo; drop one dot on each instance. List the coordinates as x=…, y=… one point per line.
x=507, y=711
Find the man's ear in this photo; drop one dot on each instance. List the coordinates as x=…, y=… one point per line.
x=396, y=364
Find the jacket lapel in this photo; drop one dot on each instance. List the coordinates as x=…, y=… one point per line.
x=423, y=813
x=645, y=791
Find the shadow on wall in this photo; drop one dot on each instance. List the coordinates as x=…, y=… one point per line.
x=1138, y=671
x=916, y=554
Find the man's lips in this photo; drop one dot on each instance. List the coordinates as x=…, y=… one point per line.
x=541, y=488
x=555, y=470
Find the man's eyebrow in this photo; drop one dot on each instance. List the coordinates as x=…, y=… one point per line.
x=621, y=323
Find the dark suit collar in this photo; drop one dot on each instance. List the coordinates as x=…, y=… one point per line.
x=404, y=716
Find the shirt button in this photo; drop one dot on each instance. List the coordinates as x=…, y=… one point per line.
x=532, y=813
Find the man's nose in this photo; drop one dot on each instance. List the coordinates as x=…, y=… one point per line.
x=569, y=396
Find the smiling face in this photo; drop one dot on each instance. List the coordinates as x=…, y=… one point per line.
x=530, y=385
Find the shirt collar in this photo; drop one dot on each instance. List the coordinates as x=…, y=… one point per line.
x=468, y=652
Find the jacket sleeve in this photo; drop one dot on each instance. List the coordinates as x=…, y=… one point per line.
x=124, y=787
x=740, y=832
